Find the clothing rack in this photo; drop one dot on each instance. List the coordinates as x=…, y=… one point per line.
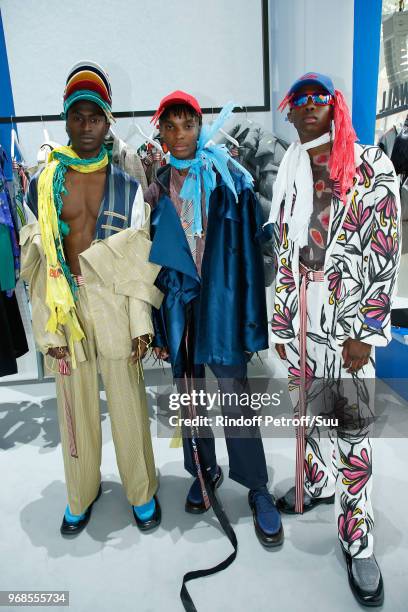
x=125, y=114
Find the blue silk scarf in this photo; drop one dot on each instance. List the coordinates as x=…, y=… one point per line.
x=209, y=158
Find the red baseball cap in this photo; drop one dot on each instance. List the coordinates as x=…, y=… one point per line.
x=176, y=97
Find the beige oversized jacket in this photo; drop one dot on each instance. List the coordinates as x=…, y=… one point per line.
x=119, y=283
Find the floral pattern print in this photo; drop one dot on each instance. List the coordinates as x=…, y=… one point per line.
x=282, y=321
x=357, y=472
x=365, y=173
x=387, y=206
x=377, y=308
x=349, y=523
x=313, y=474
x=362, y=254
x=334, y=285
x=385, y=246
x=286, y=278
x=356, y=217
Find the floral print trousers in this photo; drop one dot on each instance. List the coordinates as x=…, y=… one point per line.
x=338, y=458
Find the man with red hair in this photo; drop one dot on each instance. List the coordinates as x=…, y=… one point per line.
x=336, y=212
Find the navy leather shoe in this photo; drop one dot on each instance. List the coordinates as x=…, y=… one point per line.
x=267, y=519
x=195, y=502
x=73, y=529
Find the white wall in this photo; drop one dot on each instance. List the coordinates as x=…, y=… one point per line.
x=309, y=35
x=212, y=49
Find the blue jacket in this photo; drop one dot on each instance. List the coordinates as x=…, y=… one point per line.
x=229, y=300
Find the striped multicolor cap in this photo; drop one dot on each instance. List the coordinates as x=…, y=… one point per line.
x=88, y=81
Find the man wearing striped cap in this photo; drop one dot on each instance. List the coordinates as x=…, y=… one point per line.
x=91, y=287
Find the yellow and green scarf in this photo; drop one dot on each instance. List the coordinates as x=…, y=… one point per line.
x=61, y=288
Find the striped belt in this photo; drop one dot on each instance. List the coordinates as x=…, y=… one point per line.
x=79, y=280
x=308, y=276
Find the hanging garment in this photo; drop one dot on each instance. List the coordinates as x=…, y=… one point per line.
x=152, y=160
x=396, y=146
x=9, y=248
x=404, y=201
x=260, y=152
x=387, y=141
x=18, y=189
x=127, y=159
x=7, y=274
x=42, y=157
x=399, y=155
x=45, y=149
x=13, y=342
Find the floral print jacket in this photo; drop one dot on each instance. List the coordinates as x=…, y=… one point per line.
x=361, y=262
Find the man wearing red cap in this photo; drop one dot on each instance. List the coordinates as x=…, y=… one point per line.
x=205, y=223
x=337, y=219
x=91, y=304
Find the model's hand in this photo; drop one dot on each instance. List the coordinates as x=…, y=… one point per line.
x=58, y=352
x=161, y=353
x=139, y=347
x=280, y=349
x=356, y=354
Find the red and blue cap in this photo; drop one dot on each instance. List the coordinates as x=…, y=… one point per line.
x=313, y=78
x=310, y=78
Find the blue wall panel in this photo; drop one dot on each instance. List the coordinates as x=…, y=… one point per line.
x=366, y=57
x=6, y=98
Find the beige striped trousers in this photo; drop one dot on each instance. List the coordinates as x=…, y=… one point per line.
x=127, y=407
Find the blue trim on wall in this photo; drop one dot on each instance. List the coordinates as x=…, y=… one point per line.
x=366, y=59
x=6, y=99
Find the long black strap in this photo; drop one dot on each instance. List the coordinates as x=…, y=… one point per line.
x=208, y=483
x=229, y=532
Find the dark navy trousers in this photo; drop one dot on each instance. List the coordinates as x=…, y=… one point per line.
x=247, y=464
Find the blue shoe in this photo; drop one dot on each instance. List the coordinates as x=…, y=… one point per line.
x=148, y=516
x=72, y=524
x=267, y=519
x=195, y=502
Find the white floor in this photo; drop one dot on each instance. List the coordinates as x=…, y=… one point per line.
x=112, y=566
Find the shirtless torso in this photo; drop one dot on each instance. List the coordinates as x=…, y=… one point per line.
x=80, y=211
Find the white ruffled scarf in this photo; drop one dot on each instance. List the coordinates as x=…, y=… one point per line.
x=295, y=169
